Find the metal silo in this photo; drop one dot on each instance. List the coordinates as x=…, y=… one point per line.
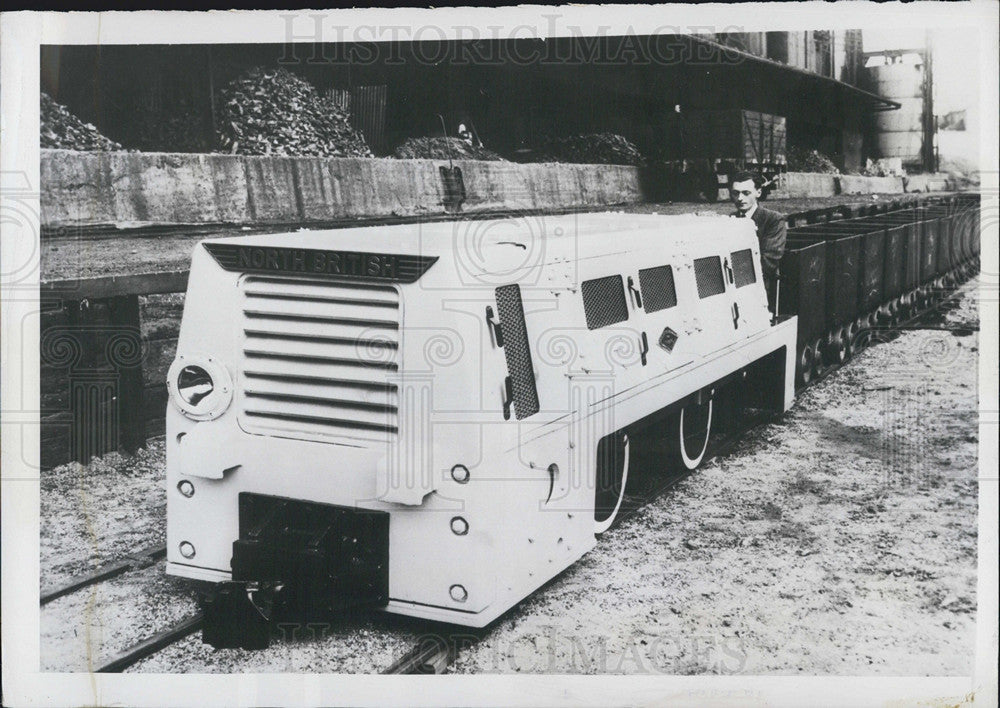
x=900, y=133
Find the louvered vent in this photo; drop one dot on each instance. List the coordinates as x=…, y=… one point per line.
x=319, y=359
x=657, y=286
x=743, y=271
x=708, y=276
x=604, y=301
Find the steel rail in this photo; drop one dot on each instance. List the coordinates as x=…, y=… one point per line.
x=153, y=644
x=431, y=655
x=136, y=561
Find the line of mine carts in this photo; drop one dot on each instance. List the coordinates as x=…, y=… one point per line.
x=847, y=279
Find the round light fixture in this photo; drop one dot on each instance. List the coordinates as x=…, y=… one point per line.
x=200, y=387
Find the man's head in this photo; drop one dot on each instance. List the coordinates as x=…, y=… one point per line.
x=744, y=190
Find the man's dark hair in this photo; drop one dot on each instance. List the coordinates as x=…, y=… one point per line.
x=744, y=175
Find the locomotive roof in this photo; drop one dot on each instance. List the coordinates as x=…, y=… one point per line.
x=514, y=230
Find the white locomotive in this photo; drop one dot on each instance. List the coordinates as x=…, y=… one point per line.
x=433, y=418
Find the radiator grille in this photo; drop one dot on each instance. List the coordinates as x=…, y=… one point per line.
x=319, y=359
x=604, y=301
x=517, y=351
x=657, y=285
x=743, y=271
x=708, y=276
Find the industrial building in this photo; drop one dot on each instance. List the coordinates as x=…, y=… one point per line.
x=647, y=88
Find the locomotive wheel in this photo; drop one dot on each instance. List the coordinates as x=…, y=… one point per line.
x=610, y=479
x=694, y=424
x=805, y=365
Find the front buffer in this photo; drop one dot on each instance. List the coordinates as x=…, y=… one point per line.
x=297, y=561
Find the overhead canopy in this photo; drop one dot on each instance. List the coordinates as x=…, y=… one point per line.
x=777, y=74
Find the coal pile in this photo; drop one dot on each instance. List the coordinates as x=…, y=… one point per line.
x=590, y=148
x=61, y=129
x=274, y=112
x=801, y=160
x=442, y=149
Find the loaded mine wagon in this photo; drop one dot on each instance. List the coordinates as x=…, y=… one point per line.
x=435, y=419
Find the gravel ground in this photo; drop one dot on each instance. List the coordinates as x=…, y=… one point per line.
x=123, y=254
x=94, y=514
x=838, y=540
x=88, y=628
x=87, y=522
x=360, y=646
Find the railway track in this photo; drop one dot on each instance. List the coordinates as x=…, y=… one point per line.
x=136, y=561
x=153, y=644
x=433, y=653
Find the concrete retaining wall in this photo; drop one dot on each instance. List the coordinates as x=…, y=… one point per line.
x=857, y=184
x=807, y=184
x=133, y=189
x=814, y=184
x=938, y=182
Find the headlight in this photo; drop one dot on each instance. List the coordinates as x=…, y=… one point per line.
x=199, y=386
x=194, y=384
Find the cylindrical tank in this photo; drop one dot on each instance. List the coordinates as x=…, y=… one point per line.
x=899, y=133
x=905, y=145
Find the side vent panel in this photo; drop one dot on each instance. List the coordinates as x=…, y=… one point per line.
x=604, y=301
x=658, y=291
x=708, y=276
x=743, y=271
x=517, y=351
